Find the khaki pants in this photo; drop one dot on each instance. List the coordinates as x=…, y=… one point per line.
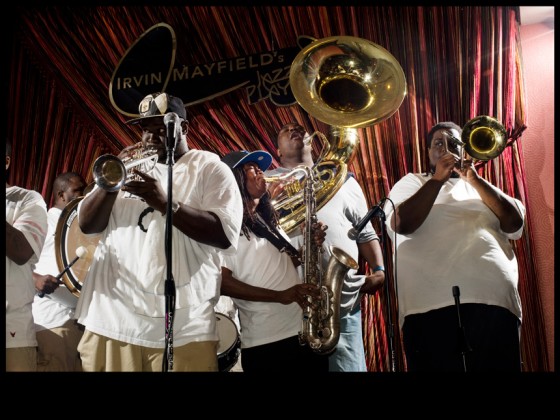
x=58, y=348
x=21, y=359
x=101, y=354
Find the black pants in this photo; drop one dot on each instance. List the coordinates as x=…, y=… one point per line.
x=433, y=342
x=283, y=356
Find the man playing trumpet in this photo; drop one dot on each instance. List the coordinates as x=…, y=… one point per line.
x=123, y=302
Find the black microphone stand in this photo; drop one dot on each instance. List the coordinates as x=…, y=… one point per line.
x=389, y=316
x=462, y=341
x=169, y=281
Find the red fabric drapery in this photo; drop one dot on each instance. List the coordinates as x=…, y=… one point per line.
x=459, y=62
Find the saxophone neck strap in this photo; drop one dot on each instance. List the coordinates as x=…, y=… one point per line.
x=271, y=233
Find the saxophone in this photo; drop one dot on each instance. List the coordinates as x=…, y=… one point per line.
x=321, y=324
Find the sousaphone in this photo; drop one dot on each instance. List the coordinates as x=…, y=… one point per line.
x=347, y=83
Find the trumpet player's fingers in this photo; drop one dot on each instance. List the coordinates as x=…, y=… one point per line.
x=143, y=175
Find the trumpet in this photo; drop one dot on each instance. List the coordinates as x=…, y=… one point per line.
x=111, y=172
x=483, y=138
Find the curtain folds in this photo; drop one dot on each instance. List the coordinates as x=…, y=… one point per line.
x=459, y=62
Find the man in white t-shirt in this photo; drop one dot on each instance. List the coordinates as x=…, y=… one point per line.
x=136, y=316
x=341, y=213
x=452, y=245
x=58, y=334
x=26, y=228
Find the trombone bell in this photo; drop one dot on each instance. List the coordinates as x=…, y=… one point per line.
x=484, y=138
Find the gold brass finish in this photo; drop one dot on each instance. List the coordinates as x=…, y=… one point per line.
x=347, y=83
x=484, y=137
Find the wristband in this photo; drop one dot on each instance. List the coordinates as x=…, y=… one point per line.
x=379, y=268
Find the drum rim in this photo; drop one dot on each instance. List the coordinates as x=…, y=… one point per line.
x=60, y=238
x=232, y=353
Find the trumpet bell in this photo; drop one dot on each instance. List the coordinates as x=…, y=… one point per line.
x=484, y=137
x=347, y=81
x=109, y=172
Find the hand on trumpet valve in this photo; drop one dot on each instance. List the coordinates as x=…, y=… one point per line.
x=127, y=152
x=149, y=189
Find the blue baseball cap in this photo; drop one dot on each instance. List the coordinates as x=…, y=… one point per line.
x=260, y=157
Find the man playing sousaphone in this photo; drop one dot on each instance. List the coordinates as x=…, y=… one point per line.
x=123, y=303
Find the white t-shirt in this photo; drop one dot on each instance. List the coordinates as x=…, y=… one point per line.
x=459, y=244
x=123, y=294
x=259, y=263
x=52, y=310
x=344, y=210
x=25, y=210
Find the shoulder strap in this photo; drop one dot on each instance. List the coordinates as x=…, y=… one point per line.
x=270, y=233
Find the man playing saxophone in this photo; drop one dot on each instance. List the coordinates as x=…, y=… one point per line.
x=124, y=300
x=341, y=213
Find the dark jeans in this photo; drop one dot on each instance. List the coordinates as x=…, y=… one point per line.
x=283, y=356
x=433, y=342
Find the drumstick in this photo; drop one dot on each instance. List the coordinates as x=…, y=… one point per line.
x=80, y=252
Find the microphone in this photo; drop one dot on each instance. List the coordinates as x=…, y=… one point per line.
x=463, y=343
x=171, y=120
x=80, y=252
x=456, y=294
x=375, y=211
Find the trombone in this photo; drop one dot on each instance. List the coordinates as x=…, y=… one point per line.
x=483, y=138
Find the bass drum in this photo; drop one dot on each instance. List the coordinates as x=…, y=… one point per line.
x=229, y=343
x=67, y=239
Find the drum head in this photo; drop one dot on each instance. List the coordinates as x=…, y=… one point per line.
x=229, y=342
x=227, y=333
x=67, y=239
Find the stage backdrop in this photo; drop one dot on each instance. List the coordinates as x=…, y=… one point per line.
x=459, y=62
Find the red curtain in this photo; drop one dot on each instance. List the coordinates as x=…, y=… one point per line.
x=459, y=62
